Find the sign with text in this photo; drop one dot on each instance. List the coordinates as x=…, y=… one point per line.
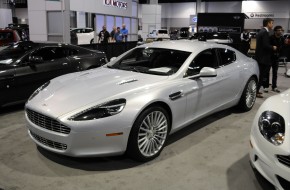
x=116, y=4
x=267, y=15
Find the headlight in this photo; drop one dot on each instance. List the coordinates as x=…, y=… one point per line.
x=38, y=90
x=272, y=127
x=100, y=111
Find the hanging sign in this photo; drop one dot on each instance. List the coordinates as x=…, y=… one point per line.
x=116, y=4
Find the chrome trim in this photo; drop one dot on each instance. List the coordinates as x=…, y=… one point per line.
x=176, y=95
x=46, y=122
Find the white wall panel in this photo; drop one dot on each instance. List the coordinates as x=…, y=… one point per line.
x=21, y=13
x=77, y=5
x=177, y=10
x=90, y=5
x=265, y=6
x=37, y=23
x=223, y=7
x=5, y=17
x=81, y=19
x=134, y=9
x=149, y=19
x=97, y=6
x=38, y=37
x=53, y=5
x=35, y=5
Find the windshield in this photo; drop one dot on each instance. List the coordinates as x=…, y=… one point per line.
x=13, y=53
x=156, y=61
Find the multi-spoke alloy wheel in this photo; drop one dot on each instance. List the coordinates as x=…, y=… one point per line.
x=251, y=93
x=149, y=134
x=248, y=97
x=152, y=133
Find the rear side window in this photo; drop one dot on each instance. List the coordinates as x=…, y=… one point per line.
x=88, y=30
x=162, y=32
x=226, y=56
x=6, y=36
x=50, y=53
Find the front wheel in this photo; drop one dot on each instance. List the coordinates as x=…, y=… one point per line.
x=148, y=134
x=248, y=97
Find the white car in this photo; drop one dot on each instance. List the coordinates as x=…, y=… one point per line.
x=217, y=37
x=135, y=101
x=270, y=140
x=159, y=34
x=83, y=35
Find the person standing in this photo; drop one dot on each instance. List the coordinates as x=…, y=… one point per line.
x=104, y=35
x=245, y=40
x=112, y=34
x=118, y=35
x=124, y=32
x=263, y=53
x=277, y=40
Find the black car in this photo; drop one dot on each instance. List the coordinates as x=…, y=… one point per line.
x=25, y=66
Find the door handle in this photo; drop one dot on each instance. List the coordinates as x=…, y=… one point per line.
x=176, y=95
x=64, y=63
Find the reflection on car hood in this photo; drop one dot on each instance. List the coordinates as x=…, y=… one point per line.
x=70, y=92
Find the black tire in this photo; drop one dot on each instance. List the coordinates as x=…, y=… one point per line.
x=248, y=97
x=92, y=41
x=154, y=138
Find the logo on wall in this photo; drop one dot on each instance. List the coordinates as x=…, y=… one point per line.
x=261, y=15
x=116, y=3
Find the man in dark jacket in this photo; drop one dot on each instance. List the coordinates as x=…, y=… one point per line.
x=104, y=35
x=264, y=51
x=278, y=40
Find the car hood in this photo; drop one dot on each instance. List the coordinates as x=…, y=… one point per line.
x=85, y=89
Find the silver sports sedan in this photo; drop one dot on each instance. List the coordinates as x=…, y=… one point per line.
x=136, y=100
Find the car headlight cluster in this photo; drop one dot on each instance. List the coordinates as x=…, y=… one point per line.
x=272, y=127
x=100, y=111
x=38, y=90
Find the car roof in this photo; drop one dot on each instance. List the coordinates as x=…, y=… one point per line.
x=184, y=45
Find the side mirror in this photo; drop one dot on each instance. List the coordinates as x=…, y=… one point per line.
x=207, y=72
x=35, y=59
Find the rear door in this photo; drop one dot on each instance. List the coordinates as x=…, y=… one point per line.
x=232, y=69
x=30, y=75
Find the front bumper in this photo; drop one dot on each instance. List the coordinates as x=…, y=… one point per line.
x=268, y=165
x=87, y=138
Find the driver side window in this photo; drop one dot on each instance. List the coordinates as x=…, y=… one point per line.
x=206, y=58
x=50, y=53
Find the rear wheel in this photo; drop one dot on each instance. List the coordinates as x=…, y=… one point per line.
x=149, y=134
x=92, y=41
x=248, y=97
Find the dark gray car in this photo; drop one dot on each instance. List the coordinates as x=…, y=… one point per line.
x=27, y=65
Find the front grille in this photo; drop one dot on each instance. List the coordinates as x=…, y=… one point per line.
x=46, y=122
x=285, y=160
x=49, y=143
x=283, y=182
